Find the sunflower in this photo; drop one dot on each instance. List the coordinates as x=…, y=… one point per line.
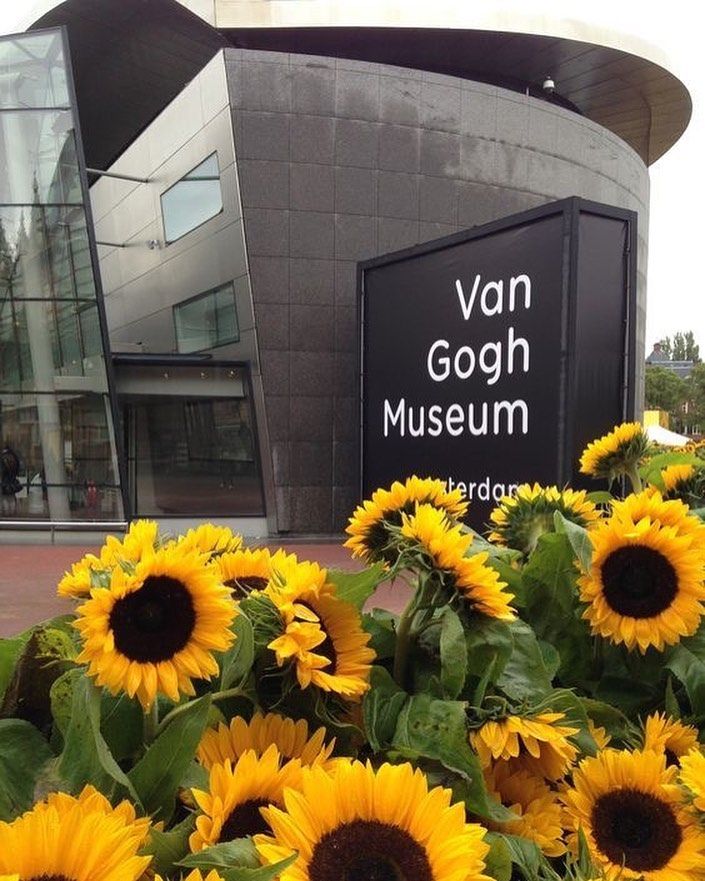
x=470, y=577
x=155, y=630
x=665, y=735
x=669, y=512
x=210, y=539
x=73, y=839
x=616, y=453
x=676, y=479
x=236, y=792
x=519, y=520
x=539, y=812
x=599, y=735
x=536, y=743
x=633, y=817
x=244, y=570
x=692, y=777
x=383, y=824
x=368, y=527
x=90, y=571
x=291, y=738
x=645, y=584
x=322, y=634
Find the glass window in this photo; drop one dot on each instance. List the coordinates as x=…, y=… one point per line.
x=32, y=71
x=192, y=200
x=193, y=455
x=207, y=320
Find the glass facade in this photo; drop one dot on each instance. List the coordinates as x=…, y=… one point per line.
x=191, y=442
x=207, y=321
x=55, y=414
x=192, y=200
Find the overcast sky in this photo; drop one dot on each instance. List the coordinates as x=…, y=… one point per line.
x=676, y=286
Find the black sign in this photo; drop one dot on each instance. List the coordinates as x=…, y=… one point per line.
x=492, y=356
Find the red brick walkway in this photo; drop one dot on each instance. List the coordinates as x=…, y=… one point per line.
x=29, y=574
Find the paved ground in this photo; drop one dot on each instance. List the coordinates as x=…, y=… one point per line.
x=29, y=574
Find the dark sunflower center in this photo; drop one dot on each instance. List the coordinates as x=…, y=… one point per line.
x=366, y=850
x=671, y=758
x=326, y=648
x=243, y=585
x=636, y=829
x=244, y=820
x=154, y=622
x=638, y=582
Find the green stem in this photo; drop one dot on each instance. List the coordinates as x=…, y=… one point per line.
x=216, y=696
x=151, y=723
x=403, y=642
x=635, y=478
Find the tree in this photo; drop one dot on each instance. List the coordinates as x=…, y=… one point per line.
x=667, y=348
x=665, y=390
x=695, y=388
x=685, y=348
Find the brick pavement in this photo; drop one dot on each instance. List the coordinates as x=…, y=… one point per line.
x=29, y=574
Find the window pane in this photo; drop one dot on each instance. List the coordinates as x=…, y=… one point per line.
x=32, y=72
x=207, y=321
x=193, y=200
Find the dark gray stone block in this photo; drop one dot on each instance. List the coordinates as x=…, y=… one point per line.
x=355, y=191
x=313, y=328
x=278, y=417
x=274, y=367
x=345, y=500
x=440, y=107
x=267, y=232
x=394, y=234
x=345, y=463
x=311, y=234
x=440, y=153
x=262, y=135
x=312, y=281
x=355, y=237
x=346, y=329
x=312, y=188
x=399, y=148
x=263, y=184
x=311, y=372
x=357, y=95
x=438, y=200
x=345, y=283
x=311, y=463
x=356, y=143
x=272, y=322
x=346, y=418
x=346, y=367
x=429, y=230
x=313, y=139
x=398, y=195
x=282, y=495
x=399, y=100
x=311, y=509
x=269, y=277
x=265, y=86
x=311, y=419
x=478, y=158
x=313, y=90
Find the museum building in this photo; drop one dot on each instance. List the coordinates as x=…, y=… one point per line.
x=186, y=191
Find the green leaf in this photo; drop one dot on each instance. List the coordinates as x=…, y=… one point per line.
x=10, y=651
x=236, y=861
x=600, y=497
x=498, y=862
x=167, y=848
x=524, y=676
x=571, y=705
x=436, y=729
x=687, y=663
x=578, y=538
x=631, y=696
x=454, y=653
x=651, y=470
x=86, y=757
x=525, y=855
x=551, y=658
x=158, y=774
x=237, y=662
x=615, y=723
x=670, y=701
x=23, y=752
x=122, y=725
x=357, y=587
x=381, y=625
x=489, y=643
x=381, y=707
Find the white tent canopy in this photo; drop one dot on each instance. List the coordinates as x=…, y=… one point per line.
x=660, y=435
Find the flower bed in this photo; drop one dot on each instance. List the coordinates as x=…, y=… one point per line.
x=221, y=712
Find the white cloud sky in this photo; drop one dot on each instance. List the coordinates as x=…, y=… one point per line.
x=676, y=293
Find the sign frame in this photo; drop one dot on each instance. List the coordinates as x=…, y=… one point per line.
x=571, y=210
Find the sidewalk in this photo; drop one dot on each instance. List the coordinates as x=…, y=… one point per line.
x=29, y=575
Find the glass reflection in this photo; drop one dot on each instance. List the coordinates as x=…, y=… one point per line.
x=192, y=200
x=33, y=71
